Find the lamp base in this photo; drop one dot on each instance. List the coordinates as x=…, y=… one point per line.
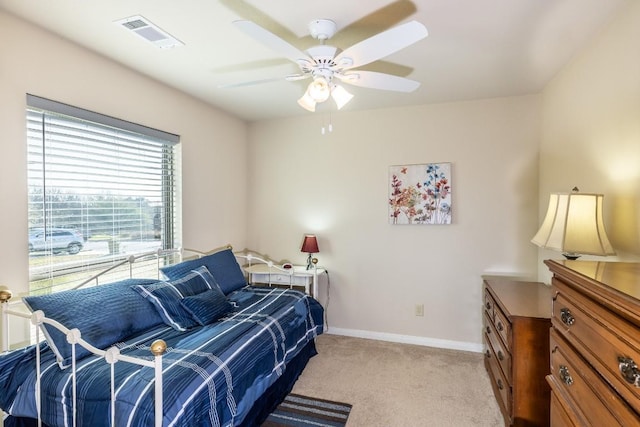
x=310, y=263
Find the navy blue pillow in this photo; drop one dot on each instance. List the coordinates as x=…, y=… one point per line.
x=104, y=314
x=167, y=296
x=208, y=306
x=223, y=266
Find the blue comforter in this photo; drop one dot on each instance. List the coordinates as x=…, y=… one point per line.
x=212, y=374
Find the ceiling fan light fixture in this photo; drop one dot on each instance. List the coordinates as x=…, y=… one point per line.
x=307, y=102
x=341, y=96
x=319, y=89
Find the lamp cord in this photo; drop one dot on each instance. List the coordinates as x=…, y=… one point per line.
x=326, y=308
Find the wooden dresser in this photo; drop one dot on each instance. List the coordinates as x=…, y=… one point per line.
x=516, y=339
x=595, y=343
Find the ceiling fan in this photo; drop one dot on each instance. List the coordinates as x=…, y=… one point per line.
x=328, y=66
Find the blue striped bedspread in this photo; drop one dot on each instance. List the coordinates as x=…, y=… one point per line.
x=212, y=374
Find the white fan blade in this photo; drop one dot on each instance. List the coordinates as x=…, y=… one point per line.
x=381, y=45
x=296, y=77
x=249, y=83
x=375, y=80
x=272, y=41
x=289, y=78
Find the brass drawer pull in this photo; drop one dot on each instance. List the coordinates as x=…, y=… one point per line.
x=566, y=317
x=500, y=385
x=629, y=370
x=565, y=376
x=488, y=330
x=500, y=355
x=487, y=353
x=488, y=306
x=500, y=327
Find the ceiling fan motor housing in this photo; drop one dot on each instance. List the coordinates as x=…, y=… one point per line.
x=326, y=73
x=322, y=56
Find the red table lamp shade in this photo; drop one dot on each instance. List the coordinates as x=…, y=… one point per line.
x=310, y=244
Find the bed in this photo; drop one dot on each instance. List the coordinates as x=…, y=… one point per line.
x=199, y=348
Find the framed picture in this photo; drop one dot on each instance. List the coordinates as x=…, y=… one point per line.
x=420, y=194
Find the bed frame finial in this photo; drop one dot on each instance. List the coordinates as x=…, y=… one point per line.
x=5, y=294
x=158, y=347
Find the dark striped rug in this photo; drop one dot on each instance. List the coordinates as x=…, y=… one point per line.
x=303, y=411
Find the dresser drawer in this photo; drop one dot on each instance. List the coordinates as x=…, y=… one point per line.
x=502, y=353
x=582, y=387
x=498, y=318
x=503, y=327
x=500, y=385
x=606, y=341
x=281, y=279
x=515, y=317
x=559, y=416
x=489, y=304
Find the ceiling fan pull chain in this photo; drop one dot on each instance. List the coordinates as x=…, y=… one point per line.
x=329, y=127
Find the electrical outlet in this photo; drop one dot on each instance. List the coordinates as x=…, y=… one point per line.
x=419, y=309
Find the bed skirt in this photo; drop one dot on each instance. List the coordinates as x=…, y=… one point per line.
x=260, y=410
x=276, y=393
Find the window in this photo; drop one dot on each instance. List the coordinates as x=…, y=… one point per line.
x=100, y=189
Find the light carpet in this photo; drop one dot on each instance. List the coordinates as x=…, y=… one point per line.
x=401, y=385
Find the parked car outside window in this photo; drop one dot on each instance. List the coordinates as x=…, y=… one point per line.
x=56, y=240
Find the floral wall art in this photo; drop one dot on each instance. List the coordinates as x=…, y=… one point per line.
x=420, y=194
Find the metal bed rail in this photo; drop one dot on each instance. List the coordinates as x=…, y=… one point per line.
x=74, y=338
x=111, y=355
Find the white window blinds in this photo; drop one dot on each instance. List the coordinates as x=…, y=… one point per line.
x=100, y=189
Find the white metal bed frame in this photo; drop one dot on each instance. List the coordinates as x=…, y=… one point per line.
x=112, y=354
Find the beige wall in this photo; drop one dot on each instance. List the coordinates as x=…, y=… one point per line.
x=336, y=186
x=264, y=185
x=591, y=132
x=213, y=143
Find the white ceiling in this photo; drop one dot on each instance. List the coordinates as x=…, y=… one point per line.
x=475, y=48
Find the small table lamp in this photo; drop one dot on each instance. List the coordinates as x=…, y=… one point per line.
x=310, y=246
x=574, y=225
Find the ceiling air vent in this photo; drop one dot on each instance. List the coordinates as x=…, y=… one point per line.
x=150, y=32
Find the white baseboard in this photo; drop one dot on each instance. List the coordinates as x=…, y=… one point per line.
x=408, y=339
